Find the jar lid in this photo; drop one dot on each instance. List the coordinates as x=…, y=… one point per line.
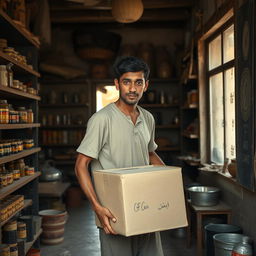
x=21, y=108
x=3, y=101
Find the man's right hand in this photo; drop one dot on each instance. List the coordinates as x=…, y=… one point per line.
x=105, y=216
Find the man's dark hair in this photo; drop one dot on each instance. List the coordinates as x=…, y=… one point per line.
x=130, y=64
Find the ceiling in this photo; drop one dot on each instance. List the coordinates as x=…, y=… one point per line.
x=155, y=11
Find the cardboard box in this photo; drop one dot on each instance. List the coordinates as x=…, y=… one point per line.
x=143, y=199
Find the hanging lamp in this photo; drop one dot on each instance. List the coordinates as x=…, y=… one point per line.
x=127, y=11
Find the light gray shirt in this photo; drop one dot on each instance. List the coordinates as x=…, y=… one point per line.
x=114, y=141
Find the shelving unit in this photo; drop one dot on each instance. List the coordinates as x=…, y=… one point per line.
x=17, y=185
x=189, y=113
x=64, y=115
x=162, y=100
x=22, y=154
x=18, y=126
x=27, y=44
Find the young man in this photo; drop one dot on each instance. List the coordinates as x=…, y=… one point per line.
x=120, y=135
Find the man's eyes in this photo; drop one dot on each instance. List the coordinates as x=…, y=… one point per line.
x=127, y=82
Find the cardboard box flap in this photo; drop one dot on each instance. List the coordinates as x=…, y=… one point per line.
x=139, y=169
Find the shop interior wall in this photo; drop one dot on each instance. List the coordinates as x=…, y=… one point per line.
x=62, y=49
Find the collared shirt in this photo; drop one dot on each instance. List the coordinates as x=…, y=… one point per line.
x=114, y=141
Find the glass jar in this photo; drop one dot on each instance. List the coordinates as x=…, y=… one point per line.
x=30, y=171
x=10, y=74
x=20, y=145
x=1, y=149
x=21, y=165
x=30, y=116
x=4, y=112
x=3, y=75
x=23, y=115
x=28, y=143
x=4, y=250
x=16, y=84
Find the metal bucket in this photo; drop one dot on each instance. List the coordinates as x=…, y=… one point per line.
x=213, y=229
x=224, y=243
x=204, y=196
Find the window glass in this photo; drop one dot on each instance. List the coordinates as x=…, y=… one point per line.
x=228, y=44
x=230, y=113
x=217, y=119
x=215, y=53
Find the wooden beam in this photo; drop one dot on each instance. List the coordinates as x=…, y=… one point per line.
x=92, y=16
x=60, y=5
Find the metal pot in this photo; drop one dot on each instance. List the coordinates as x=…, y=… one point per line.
x=204, y=196
x=49, y=172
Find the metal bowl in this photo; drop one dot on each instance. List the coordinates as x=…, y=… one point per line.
x=204, y=195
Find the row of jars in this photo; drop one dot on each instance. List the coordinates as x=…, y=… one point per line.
x=14, y=146
x=10, y=51
x=14, y=238
x=10, y=116
x=7, y=79
x=50, y=137
x=10, y=205
x=13, y=171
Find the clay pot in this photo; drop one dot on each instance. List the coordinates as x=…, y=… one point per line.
x=232, y=168
x=53, y=225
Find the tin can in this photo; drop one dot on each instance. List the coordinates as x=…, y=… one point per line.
x=22, y=231
x=4, y=250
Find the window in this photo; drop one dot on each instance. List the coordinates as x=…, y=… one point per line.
x=221, y=87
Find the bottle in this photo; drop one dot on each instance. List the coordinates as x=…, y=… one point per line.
x=4, y=112
x=243, y=248
x=3, y=75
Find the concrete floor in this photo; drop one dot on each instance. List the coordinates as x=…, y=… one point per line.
x=81, y=238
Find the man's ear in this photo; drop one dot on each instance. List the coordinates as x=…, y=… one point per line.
x=116, y=83
x=146, y=85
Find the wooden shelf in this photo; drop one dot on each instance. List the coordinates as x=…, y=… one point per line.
x=18, y=126
x=190, y=106
x=16, y=34
x=167, y=149
x=68, y=126
x=28, y=245
x=18, y=67
x=168, y=126
x=79, y=105
x=159, y=105
x=17, y=184
x=15, y=93
x=190, y=135
x=27, y=202
x=22, y=154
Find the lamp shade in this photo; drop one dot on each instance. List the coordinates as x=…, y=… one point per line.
x=127, y=11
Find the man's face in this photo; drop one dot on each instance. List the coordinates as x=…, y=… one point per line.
x=131, y=86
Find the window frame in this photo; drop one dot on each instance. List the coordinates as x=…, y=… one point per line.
x=204, y=81
x=217, y=70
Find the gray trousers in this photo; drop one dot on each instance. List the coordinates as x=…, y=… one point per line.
x=139, y=245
